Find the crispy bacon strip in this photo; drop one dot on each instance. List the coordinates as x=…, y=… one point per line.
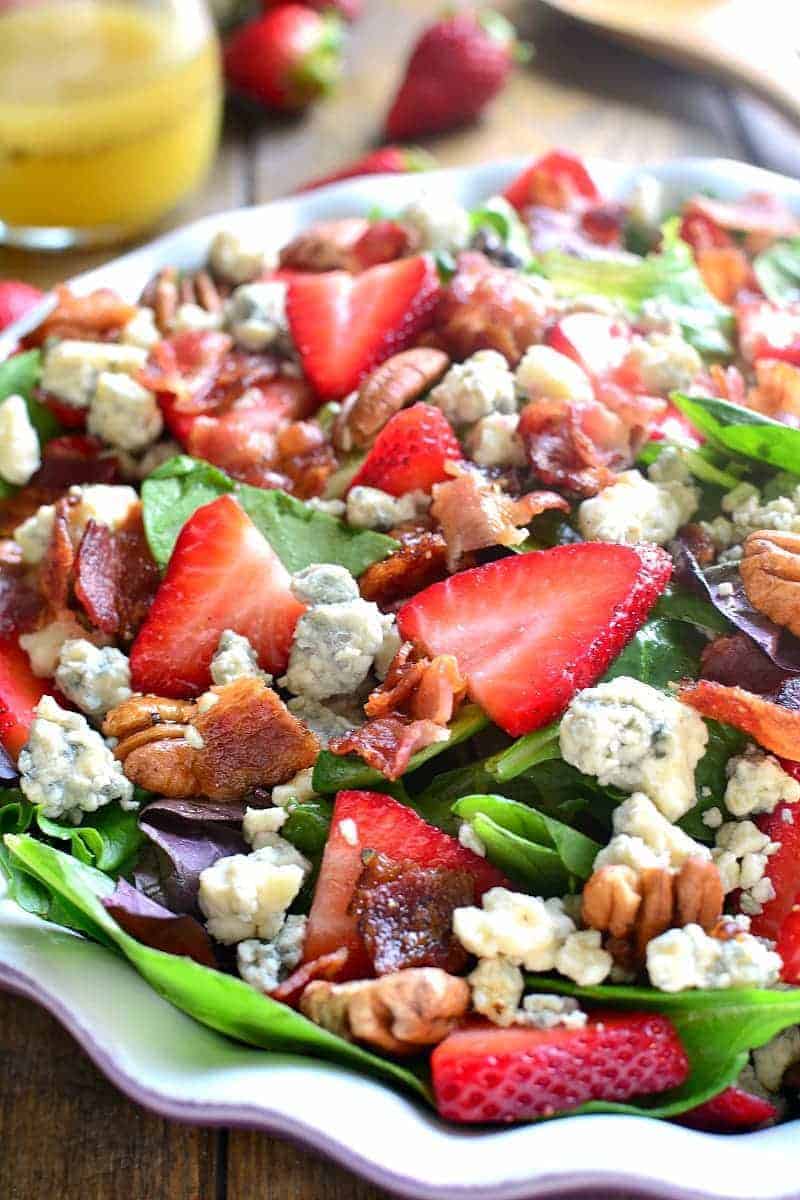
x=137, y=576
x=474, y=514
x=116, y=577
x=95, y=580
x=577, y=446
x=775, y=728
x=96, y=317
x=55, y=569
x=420, y=561
x=327, y=966
x=440, y=691
x=388, y=743
x=75, y=459
x=726, y=271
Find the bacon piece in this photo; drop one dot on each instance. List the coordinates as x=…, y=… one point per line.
x=97, y=317
x=420, y=561
x=55, y=569
x=728, y=383
x=186, y=366
x=23, y=504
x=250, y=739
x=417, y=687
x=775, y=728
x=325, y=246
x=777, y=391
x=388, y=743
x=75, y=459
x=485, y=307
x=137, y=576
x=327, y=966
x=577, y=446
x=404, y=914
x=726, y=271
x=383, y=241
x=116, y=577
x=306, y=457
x=95, y=581
x=737, y=661
x=474, y=514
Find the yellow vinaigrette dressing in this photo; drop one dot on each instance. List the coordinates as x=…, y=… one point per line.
x=109, y=114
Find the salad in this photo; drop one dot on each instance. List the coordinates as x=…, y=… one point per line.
x=400, y=645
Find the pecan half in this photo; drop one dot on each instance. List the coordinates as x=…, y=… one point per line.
x=771, y=576
x=396, y=383
x=611, y=900
x=167, y=290
x=324, y=246
x=397, y=1013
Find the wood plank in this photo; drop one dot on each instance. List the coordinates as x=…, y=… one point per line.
x=66, y=1131
x=261, y=1168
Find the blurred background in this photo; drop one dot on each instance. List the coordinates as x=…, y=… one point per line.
x=148, y=135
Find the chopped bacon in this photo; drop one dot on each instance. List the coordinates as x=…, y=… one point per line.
x=759, y=213
x=736, y=660
x=420, y=561
x=485, y=307
x=327, y=966
x=97, y=317
x=404, y=913
x=775, y=728
x=577, y=446
x=116, y=577
x=305, y=457
x=325, y=246
x=75, y=459
x=250, y=739
x=474, y=514
x=388, y=743
x=383, y=241
x=777, y=391
x=55, y=569
x=728, y=383
x=421, y=688
x=20, y=603
x=726, y=272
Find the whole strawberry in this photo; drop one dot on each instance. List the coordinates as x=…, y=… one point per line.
x=287, y=58
x=386, y=160
x=457, y=66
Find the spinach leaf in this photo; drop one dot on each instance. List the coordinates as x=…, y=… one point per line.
x=660, y=652
x=526, y=752
x=679, y=604
x=332, y=772
x=220, y=1001
x=742, y=431
x=717, y=1030
x=575, y=851
x=778, y=271
x=501, y=218
x=299, y=534
x=710, y=778
x=18, y=377
x=107, y=839
x=435, y=802
x=670, y=276
x=537, y=868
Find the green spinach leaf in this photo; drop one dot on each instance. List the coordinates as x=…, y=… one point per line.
x=171, y=494
x=742, y=431
x=502, y=218
x=537, y=868
x=661, y=652
x=575, y=851
x=710, y=777
x=778, y=271
x=107, y=839
x=18, y=377
x=679, y=604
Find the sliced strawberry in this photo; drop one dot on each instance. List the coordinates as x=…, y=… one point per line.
x=732, y=1111
x=371, y=821
x=597, y=343
x=788, y=946
x=16, y=298
x=783, y=870
x=674, y=426
x=222, y=575
x=410, y=452
x=344, y=325
x=530, y=631
x=768, y=331
x=485, y=1073
x=20, y=692
x=556, y=180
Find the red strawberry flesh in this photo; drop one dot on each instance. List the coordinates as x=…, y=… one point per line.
x=20, y=692
x=410, y=453
x=732, y=1111
x=485, y=1073
x=223, y=574
x=530, y=631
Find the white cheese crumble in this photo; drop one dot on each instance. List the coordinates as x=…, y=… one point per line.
x=712, y=817
x=748, y=513
x=389, y=646
x=666, y=362
x=235, y=658
x=246, y=895
x=263, y=965
x=688, y=958
x=639, y=818
x=634, y=509
x=469, y=839
x=324, y=722
x=71, y=369
x=442, y=223
x=107, y=504
x=757, y=783
x=295, y=791
x=193, y=318
x=123, y=413
x=497, y=986
x=324, y=583
x=545, y=373
x=258, y=822
x=494, y=442
x=371, y=508
x=542, y=1010
x=95, y=678
x=20, y=456
x=141, y=330
x=631, y=736
x=66, y=767
x=349, y=831
x=481, y=385
x=237, y=260
x=527, y=930
x=43, y=647
x=256, y=316
x=583, y=959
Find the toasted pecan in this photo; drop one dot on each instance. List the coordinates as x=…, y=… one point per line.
x=771, y=576
x=396, y=383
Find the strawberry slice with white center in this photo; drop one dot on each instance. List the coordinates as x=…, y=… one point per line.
x=597, y=343
x=529, y=632
x=223, y=574
x=344, y=325
x=410, y=453
x=484, y=1073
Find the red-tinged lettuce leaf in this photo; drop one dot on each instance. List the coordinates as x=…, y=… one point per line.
x=189, y=836
x=156, y=926
x=714, y=583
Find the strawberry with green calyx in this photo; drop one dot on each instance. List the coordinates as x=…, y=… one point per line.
x=287, y=58
x=387, y=160
x=456, y=67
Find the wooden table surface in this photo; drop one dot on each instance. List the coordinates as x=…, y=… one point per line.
x=64, y=1130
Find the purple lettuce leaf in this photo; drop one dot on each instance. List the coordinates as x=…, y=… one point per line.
x=187, y=836
x=156, y=926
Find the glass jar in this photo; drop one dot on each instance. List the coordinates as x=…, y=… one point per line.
x=109, y=116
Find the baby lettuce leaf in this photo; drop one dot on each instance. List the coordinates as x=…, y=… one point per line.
x=742, y=431
x=717, y=1029
x=670, y=276
x=156, y=926
x=535, y=867
x=333, y=772
x=188, y=836
x=778, y=271
x=575, y=851
x=108, y=839
x=525, y=753
x=660, y=653
x=219, y=1001
x=679, y=604
x=299, y=534
x=18, y=377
